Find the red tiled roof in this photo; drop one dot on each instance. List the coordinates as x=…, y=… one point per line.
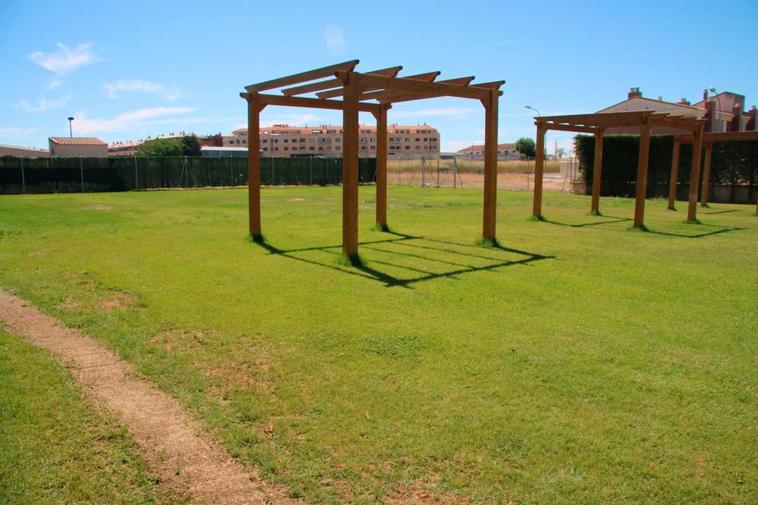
x=77, y=140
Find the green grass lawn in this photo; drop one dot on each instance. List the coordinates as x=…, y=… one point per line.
x=54, y=447
x=581, y=362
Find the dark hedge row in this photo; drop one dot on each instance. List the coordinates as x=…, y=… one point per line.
x=69, y=175
x=733, y=164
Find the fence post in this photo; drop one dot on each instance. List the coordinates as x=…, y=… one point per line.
x=423, y=180
x=81, y=172
x=23, y=176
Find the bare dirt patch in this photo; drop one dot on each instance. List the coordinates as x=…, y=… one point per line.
x=119, y=300
x=186, y=458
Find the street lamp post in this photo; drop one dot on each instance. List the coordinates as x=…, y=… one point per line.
x=534, y=109
x=70, y=130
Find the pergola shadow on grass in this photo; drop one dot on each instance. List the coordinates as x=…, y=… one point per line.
x=390, y=258
x=374, y=91
x=605, y=219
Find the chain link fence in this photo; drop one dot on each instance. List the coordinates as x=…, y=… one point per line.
x=74, y=175
x=467, y=173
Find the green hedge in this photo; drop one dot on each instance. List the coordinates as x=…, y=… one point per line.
x=733, y=164
x=68, y=175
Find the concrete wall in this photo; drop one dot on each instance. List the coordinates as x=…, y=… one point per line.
x=79, y=150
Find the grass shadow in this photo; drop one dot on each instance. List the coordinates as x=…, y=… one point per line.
x=718, y=231
x=608, y=220
x=422, y=250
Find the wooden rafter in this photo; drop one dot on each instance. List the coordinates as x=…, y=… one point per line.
x=336, y=83
x=311, y=103
x=425, y=89
x=585, y=122
x=310, y=75
x=426, y=77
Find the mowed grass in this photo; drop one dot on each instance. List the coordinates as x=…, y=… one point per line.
x=580, y=362
x=54, y=446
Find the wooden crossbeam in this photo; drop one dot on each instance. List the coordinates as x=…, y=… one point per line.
x=425, y=77
x=314, y=103
x=570, y=128
x=723, y=136
x=488, y=85
x=390, y=96
x=412, y=86
x=303, y=76
x=336, y=83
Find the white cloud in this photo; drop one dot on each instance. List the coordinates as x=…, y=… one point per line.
x=43, y=104
x=334, y=38
x=114, y=89
x=54, y=83
x=129, y=120
x=16, y=132
x=450, y=112
x=65, y=59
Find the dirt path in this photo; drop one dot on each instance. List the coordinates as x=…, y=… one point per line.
x=186, y=458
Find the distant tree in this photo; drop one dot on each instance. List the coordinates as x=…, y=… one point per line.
x=190, y=145
x=561, y=153
x=160, y=148
x=526, y=147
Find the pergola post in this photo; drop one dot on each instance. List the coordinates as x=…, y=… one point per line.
x=539, y=170
x=597, y=171
x=697, y=147
x=490, y=165
x=706, y=189
x=674, y=173
x=254, y=109
x=642, y=165
x=350, y=167
x=381, y=168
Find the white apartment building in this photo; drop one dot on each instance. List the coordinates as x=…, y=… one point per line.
x=284, y=141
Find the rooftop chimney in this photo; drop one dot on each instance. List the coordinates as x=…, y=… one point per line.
x=684, y=101
x=705, y=95
x=634, y=93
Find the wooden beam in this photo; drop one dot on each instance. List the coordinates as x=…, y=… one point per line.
x=254, y=108
x=706, y=189
x=674, y=179
x=368, y=82
x=385, y=96
x=303, y=76
x=381, y=169
x=642, y=166
x=565, y=128
x=369, y=94
x=350, y=167
x=597, y=172
x=311, y=103
x=697, y=147
x=730, y=136
x=485, y=85
x=539, y=170
x=489, y=217
x=336, y=83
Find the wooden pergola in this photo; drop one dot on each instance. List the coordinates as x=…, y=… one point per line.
x=375, y=92
x=597, y=124
x=708, y=140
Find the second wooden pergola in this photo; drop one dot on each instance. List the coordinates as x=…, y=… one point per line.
x=597, y=124
x=375, y=92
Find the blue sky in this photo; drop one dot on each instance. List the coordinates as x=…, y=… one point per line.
x=126, y=70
